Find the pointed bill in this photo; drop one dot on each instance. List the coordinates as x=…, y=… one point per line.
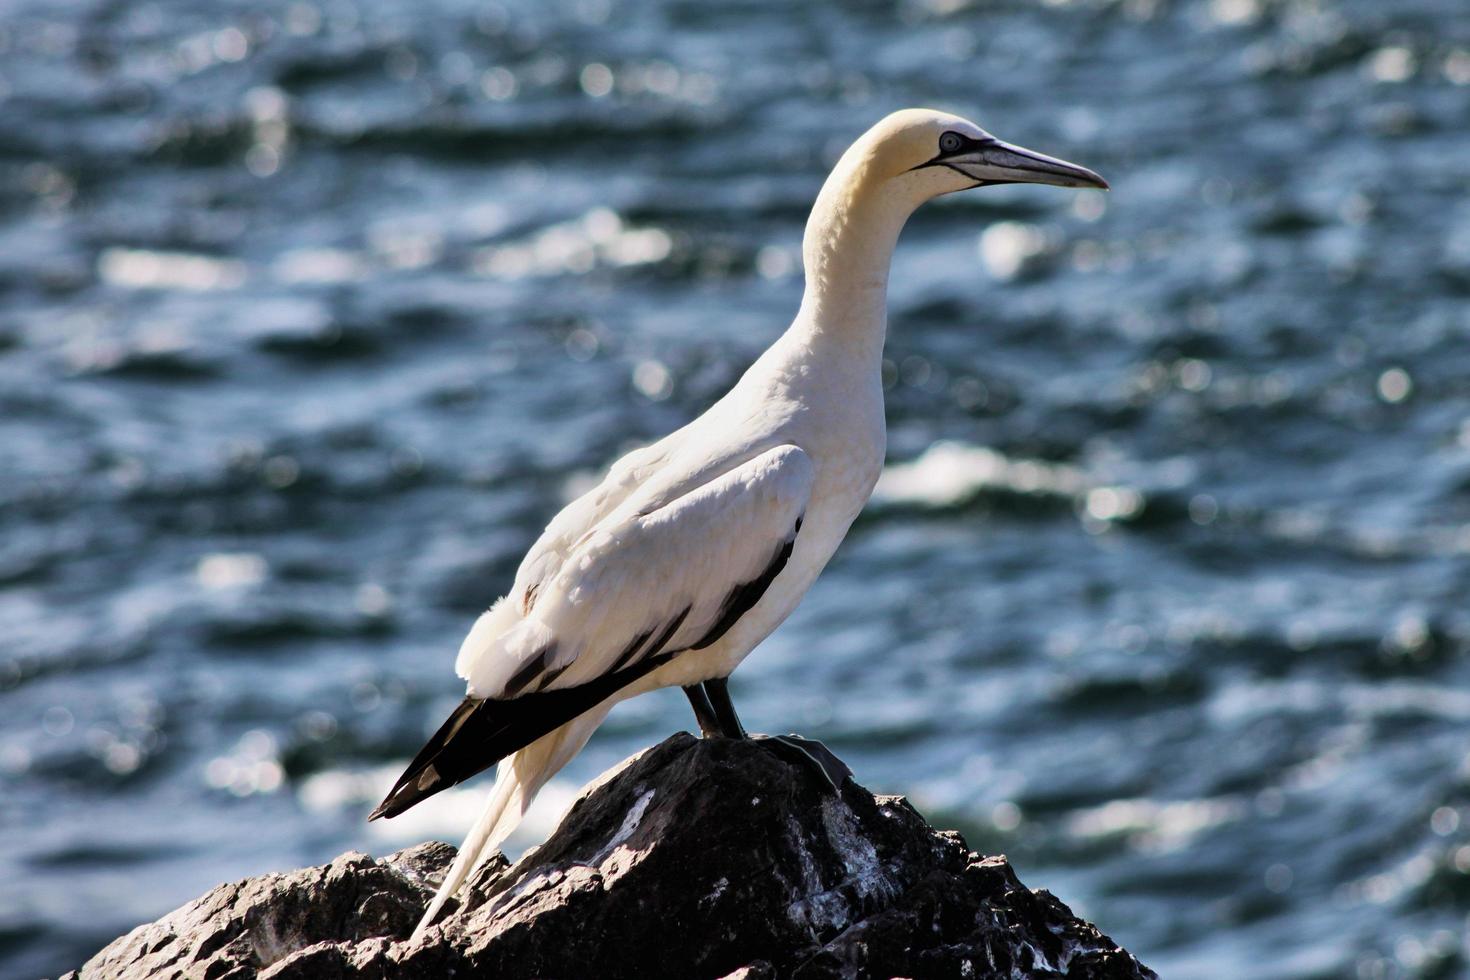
x=994, y=161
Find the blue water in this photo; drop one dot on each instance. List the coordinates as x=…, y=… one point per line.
x=311, y=314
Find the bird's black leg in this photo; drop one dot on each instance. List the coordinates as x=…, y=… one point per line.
x=718, y=692
x=704, y=712
x=792, y=748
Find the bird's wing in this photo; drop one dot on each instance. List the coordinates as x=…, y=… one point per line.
x=666, y=571
x=663, y=572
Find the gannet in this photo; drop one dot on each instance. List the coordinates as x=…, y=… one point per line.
x=692, y=550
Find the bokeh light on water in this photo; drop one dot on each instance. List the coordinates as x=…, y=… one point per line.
x=313, y=312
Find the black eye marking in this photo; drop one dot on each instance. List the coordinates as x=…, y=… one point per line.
x=952, y=143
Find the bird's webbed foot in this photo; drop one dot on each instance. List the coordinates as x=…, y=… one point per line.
x=810, y=753
x=717, y=719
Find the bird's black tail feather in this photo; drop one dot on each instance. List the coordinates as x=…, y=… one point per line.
x=482, y=731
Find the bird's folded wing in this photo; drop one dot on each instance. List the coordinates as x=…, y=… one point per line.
x=652, y=578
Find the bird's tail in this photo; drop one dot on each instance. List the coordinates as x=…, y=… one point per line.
x=519, y=779
x=503, y=811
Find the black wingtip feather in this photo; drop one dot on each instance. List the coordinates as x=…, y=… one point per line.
x=448, y=741
x=481, y=732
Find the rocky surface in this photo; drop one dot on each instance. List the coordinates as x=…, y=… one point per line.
x=695, y=859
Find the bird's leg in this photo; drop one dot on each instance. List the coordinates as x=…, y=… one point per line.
x=718, y=692
x=792, y=748
x=704, y=712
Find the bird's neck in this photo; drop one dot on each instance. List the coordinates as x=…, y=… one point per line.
x=846, y=253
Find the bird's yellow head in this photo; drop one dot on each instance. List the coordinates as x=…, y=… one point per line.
x=906, y=159
x=923, y=153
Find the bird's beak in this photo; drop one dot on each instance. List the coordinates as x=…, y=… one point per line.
x=993, y=161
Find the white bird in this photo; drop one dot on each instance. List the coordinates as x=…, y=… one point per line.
x=692, y=550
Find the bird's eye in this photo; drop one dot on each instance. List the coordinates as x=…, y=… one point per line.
x=950, y=143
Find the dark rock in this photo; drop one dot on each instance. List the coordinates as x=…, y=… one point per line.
x=696, y=859
x=241, y=929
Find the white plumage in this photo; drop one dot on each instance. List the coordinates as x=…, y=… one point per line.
x=663, y=559
x=692, y=550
